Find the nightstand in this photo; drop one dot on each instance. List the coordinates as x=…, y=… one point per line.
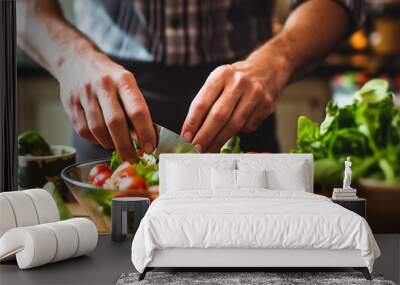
x=126, y=214
x=357, y=205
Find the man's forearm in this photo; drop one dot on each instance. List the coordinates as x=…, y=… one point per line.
x=310, y=33
x=45, y=35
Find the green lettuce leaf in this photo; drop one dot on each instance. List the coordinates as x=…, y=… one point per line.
x=368, y=130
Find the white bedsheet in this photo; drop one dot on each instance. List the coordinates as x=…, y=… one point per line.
x=250, y=219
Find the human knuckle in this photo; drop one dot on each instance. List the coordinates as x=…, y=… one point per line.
x=87, y=96
x=235, y=125
x=269, y=102
x=73, y=101
x=106, y=82
x=127, y=77
x=227, y=70
x=82, y=131
x=87, y=86
x=223, y=70
x=96, y=128
x=137, y=112
x=240, y=79
x=219, y=113
x=190, y=123
x=257, y=88
x=114, y=120
x=200, y=105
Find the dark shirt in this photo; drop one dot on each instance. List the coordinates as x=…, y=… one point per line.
x=184, y=32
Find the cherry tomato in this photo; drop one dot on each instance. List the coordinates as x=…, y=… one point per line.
x=97, y=170
x=132, y=182
x=100, y=178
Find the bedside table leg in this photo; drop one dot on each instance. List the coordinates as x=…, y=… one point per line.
x=364, y=271
x=143, y=274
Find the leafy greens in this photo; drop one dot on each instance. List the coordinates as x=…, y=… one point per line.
x=368, y=130
x=32, y=143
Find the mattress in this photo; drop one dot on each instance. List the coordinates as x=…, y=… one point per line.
x=250, y=219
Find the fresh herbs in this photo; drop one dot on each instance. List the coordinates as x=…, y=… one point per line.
x=33, y=144
x=368, y=130
x=146, y=165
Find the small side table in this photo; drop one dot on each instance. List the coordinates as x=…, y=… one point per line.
x=126, y=214
x=357, y=205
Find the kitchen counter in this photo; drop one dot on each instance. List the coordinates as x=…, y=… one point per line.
x=102, y=266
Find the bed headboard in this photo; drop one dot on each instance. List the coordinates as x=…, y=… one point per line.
x=212, y=158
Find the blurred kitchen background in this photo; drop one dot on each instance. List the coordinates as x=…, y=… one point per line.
x=374, y=51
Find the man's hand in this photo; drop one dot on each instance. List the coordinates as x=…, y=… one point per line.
x=102, y=99
x=235, y=98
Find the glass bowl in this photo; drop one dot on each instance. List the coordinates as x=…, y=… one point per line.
x=95, y=200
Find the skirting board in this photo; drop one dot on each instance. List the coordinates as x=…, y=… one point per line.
x=227, y=257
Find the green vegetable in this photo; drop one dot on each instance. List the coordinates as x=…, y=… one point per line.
x=149, y=171
x=33, y=143
x=64, y=152
x=116, y=161
x=147, y=165
x=368, y=130
x=231, y=146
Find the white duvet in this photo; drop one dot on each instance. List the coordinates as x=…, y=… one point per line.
x=250, y=219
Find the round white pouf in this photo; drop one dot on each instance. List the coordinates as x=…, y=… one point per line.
x=87, y=235
x=7, y=218
x=23, y=208
x=67, y=240
x=33, y=246
x=40, y=244
x=45, y=205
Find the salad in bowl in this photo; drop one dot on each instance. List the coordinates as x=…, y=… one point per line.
x=95, y=183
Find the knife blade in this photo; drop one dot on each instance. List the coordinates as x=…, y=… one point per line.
x=170, y=142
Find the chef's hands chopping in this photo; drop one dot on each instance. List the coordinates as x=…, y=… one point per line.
x=235, y=98
x=101, y=99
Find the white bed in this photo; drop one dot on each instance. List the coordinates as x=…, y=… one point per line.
x=249, y=227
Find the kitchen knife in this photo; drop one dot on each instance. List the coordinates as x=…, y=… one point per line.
x=170, y=142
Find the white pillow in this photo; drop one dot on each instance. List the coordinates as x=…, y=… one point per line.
x=223, y=179
x=186, y=175
x=283, y=174
x=295, y=181
x=181, y=178
x=251, y=178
